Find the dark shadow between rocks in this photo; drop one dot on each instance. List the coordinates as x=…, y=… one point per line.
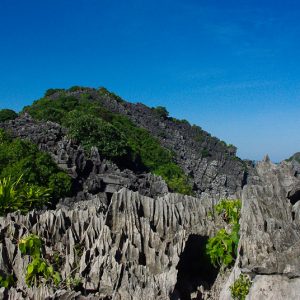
x=294, y=197
x=194, y=269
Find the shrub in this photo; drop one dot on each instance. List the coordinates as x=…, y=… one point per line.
x=240, y=288
x=230, y=210
x=38, y=268
x=153, y=157
x=6, y=281
x=91, y=131
x=7, y=114
x=75, y=88
x=161, y=111
x=205, y=153
x=14, y=195
x=39, y=171
x=50, y=92
x=222, y=248
x=102, y=91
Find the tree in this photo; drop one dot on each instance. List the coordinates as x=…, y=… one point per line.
x=92, y=131
x=7, y=114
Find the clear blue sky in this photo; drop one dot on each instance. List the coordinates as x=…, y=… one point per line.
x=232, y=67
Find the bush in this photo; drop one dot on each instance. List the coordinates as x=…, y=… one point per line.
x=7, y=114
x=6, y=281
x=38, y=169
x=75, y=88
x=15, y=195
x=50, y=92
x=222, y=248
x=161, y=112
x=240, y=288
x=91, y=131
x=205, y=153
x=38, y=269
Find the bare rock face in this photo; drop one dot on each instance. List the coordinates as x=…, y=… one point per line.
x=130, y=251
x=269, y=248
x=125, y=237
x=270, y=231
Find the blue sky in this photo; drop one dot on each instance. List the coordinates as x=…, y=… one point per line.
x=232, y=67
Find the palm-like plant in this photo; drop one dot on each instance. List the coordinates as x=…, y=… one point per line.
x=15, y=195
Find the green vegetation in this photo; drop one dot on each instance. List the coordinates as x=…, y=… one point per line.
x=102, y=91
x=93, y=131
x=38, y=270
x=76, y=88
x=21, y=196
x=222, y=248
x=115, y=136
x=295, y=157
x=240, y=288
x=29, y=178
x=50, y=92
x=161, y=111
x=205, y=153
x=146, y=150
x=7, y=114
x=230, y=210
x=6, y=281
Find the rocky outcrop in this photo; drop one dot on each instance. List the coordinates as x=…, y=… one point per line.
x=125, y=237
x=211, y=164
x=269, y=248
x=129, y=251
x=91, y=173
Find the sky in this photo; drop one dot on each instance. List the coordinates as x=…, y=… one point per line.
x=231, y=67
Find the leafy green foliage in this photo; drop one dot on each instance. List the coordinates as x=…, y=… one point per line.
x=38, y=268
x=21, y=196
x=230, y=210
x=115, y=136
x=240, y=288
x=93, y=131
x=7, y=114
x=40, y=174
x=6, y=281
x=222, y=248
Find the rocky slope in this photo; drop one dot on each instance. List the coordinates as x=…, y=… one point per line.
x=124, y=236
x=212, y=165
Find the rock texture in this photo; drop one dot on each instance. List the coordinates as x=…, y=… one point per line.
x=91, y=173
x=269, y=248
x=130, y=251
x=212, y=165
x=126, y=237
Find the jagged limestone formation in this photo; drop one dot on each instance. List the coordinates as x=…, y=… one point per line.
x=269, y=248
x=126, y=237
x=129, y=251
